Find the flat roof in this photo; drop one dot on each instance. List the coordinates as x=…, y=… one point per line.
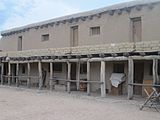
x=84, y=14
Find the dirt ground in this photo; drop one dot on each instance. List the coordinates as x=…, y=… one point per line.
x=30, y=104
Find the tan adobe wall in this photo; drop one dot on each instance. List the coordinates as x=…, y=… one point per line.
x=114, y=29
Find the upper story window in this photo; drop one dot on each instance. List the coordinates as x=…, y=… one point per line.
x=19, y=45
x=45, y=37
x=95, y=30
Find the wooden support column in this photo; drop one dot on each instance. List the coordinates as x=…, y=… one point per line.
x=40, y=74
x=9, y=73
x=88, y=78
x=2, y=70
x=78, y=75
x=102, y=78
x=51, y=77
x=155, y=71
x=28, y=73
x=17, y=74
x=130, y=78
x=69, y=77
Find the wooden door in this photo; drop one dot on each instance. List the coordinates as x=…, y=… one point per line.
x=138, y=77
x=74, y=36
x=136, y=29
x=19, y=48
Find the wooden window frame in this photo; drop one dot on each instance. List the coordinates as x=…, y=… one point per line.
x=45, y=37
x=95, y=30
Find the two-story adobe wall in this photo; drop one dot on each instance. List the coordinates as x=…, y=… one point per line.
x=116, y=28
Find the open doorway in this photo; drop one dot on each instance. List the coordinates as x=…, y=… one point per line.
x=138, y=77
x=73, y=76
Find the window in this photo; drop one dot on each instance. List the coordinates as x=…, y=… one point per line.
x=23, y=69
x=95, y=30
x=118, y=68
x=57, y=67
x=19, y=48
x=45, y=37
x=83, y=68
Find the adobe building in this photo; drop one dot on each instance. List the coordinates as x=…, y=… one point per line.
x=91, y=51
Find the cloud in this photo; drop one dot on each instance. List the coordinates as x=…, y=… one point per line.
x=30, y=11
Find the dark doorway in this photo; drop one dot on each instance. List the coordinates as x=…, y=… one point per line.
x=73, y=76
x=138, y=77
x=73, y=71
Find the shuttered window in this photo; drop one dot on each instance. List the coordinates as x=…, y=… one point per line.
x=95, y=30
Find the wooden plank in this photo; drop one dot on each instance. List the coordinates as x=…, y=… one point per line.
x=28, y=73
x=151, y=57
x=108, y=59
x=17, y=74
x=40, y=74
x=130, y=78
x=155, y=71
x=78, y=75
x=2, y=72
x=102, y=78
x=51, y=76
x=9, y=73
x=88, y=78
x=69, y=77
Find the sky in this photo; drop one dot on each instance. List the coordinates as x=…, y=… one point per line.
x=16, y=13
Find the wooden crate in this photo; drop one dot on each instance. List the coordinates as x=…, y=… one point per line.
x=148, y=88
x=116, y=91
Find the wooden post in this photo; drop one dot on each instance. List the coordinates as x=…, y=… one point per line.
x=40, y=74
x=69, y=77
x=78, y=75
x=88, y=78
x=155, y=71
x=102, y=78
x=17, y=74
x=2, y=72
x=9, y=73
x=28, y=73
x=51, y=76
x=130, y=78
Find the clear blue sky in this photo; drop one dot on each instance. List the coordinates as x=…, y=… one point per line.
x=15, y=13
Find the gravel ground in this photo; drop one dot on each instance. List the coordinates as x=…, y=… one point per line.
x=30, y=104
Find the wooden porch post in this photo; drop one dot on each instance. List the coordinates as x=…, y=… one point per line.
x=102, y=78
x=17, y=74
x=2, y=72
x=78, y=75
x=51, y=76
x=40, y=74
x=130, y=78
x=28, y=73
x=9, y=73
x=69, y=77
x=88, y=78
x=155, y=71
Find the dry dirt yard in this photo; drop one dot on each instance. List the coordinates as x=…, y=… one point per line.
x=30, y=104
